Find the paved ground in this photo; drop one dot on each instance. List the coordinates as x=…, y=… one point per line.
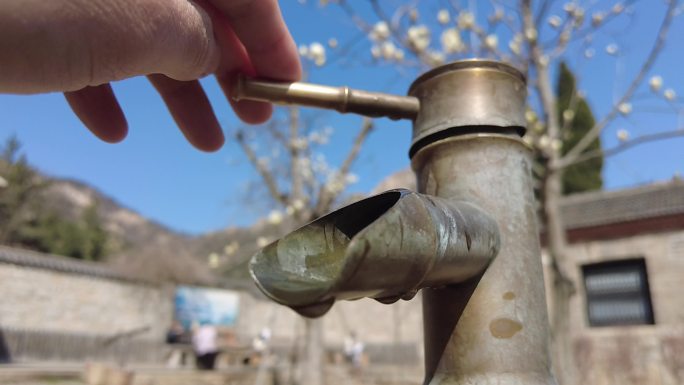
x=72, y=374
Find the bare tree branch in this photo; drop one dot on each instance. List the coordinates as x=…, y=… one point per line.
x=624, y=146
x=264, y=172
x=295, y=156
x=327, y=197
x=595, y=131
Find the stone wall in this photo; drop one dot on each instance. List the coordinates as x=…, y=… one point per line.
x=50, y=304
x=40, y=299
x=61, y=309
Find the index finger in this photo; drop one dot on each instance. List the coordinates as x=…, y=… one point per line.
x=261, y=29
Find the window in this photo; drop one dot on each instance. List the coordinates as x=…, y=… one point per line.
x=618, y=293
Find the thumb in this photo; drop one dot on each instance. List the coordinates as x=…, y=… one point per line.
x=65, y=45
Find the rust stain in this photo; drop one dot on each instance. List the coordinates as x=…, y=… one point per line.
x=509, y=295
x=504, y=328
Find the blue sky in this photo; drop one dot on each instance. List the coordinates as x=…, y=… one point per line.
x=194, y=192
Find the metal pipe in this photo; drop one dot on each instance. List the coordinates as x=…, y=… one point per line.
x=484, y=319
x=493, y=329
x=424, y=241
x=341, y=99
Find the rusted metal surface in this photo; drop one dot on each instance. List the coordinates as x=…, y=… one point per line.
x=385, y=247
x=495, y=330
x=341, y=99
x=473, y=95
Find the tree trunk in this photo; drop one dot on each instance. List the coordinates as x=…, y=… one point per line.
x=561, y=286
x=313, y=365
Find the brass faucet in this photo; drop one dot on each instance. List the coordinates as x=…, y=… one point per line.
x=468, y=238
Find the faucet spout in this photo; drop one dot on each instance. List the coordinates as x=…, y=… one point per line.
x=385, y=247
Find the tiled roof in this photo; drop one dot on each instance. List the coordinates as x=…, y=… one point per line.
x=34, y=259
x=607, y=207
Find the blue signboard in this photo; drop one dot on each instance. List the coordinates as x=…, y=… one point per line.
x=206, y=306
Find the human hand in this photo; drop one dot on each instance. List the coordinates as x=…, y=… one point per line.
x=79, y=46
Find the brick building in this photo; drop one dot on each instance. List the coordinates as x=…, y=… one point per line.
x=626, y=258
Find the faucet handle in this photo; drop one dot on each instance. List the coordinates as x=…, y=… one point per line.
x=341, y=99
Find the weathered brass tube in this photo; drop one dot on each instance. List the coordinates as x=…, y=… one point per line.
x=385, y=247
x=341, y=99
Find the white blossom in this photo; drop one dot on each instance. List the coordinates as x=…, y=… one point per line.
x=3, y=182
x=578, y=15
x=316, y=53
x=589, y=53
x=231, y=248
x=625, y=108
x=670, y=94
x=451, y=41
x=530, y=116
x=612, y=49
x=380, y=31
x=299, y=143
x=419, y=37
x=388, y=50
x=556, y=144
x=352, y=178
x=555, y=21
x=544, y=141
x=491, y=42
x=436, y=57
x=531, y=34
x=443, y=16
x=569, y=7
x=262, y=241
x=334, y=185
x=544, y=60
x=623, y=135
x=289, y=210
x=213, y=260
x=332, y=42
x=275, y=217
x=303, y=50
x=656, y=83
x=618, y=8
x=465, y=20
x=399, y=55
x=528, y=139
x=597, y=18
x=568, y=115
x=298, y=204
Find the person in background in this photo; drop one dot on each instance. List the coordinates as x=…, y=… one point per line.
x=353, y=352
x=205, y=346
x=177, y=338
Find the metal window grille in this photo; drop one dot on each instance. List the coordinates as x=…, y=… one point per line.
x=618, y=293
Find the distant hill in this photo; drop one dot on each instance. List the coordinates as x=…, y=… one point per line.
x=150, y=250
x=69, y=198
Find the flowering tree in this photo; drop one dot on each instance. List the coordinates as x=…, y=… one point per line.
x=297, y=183
x=413, y=37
